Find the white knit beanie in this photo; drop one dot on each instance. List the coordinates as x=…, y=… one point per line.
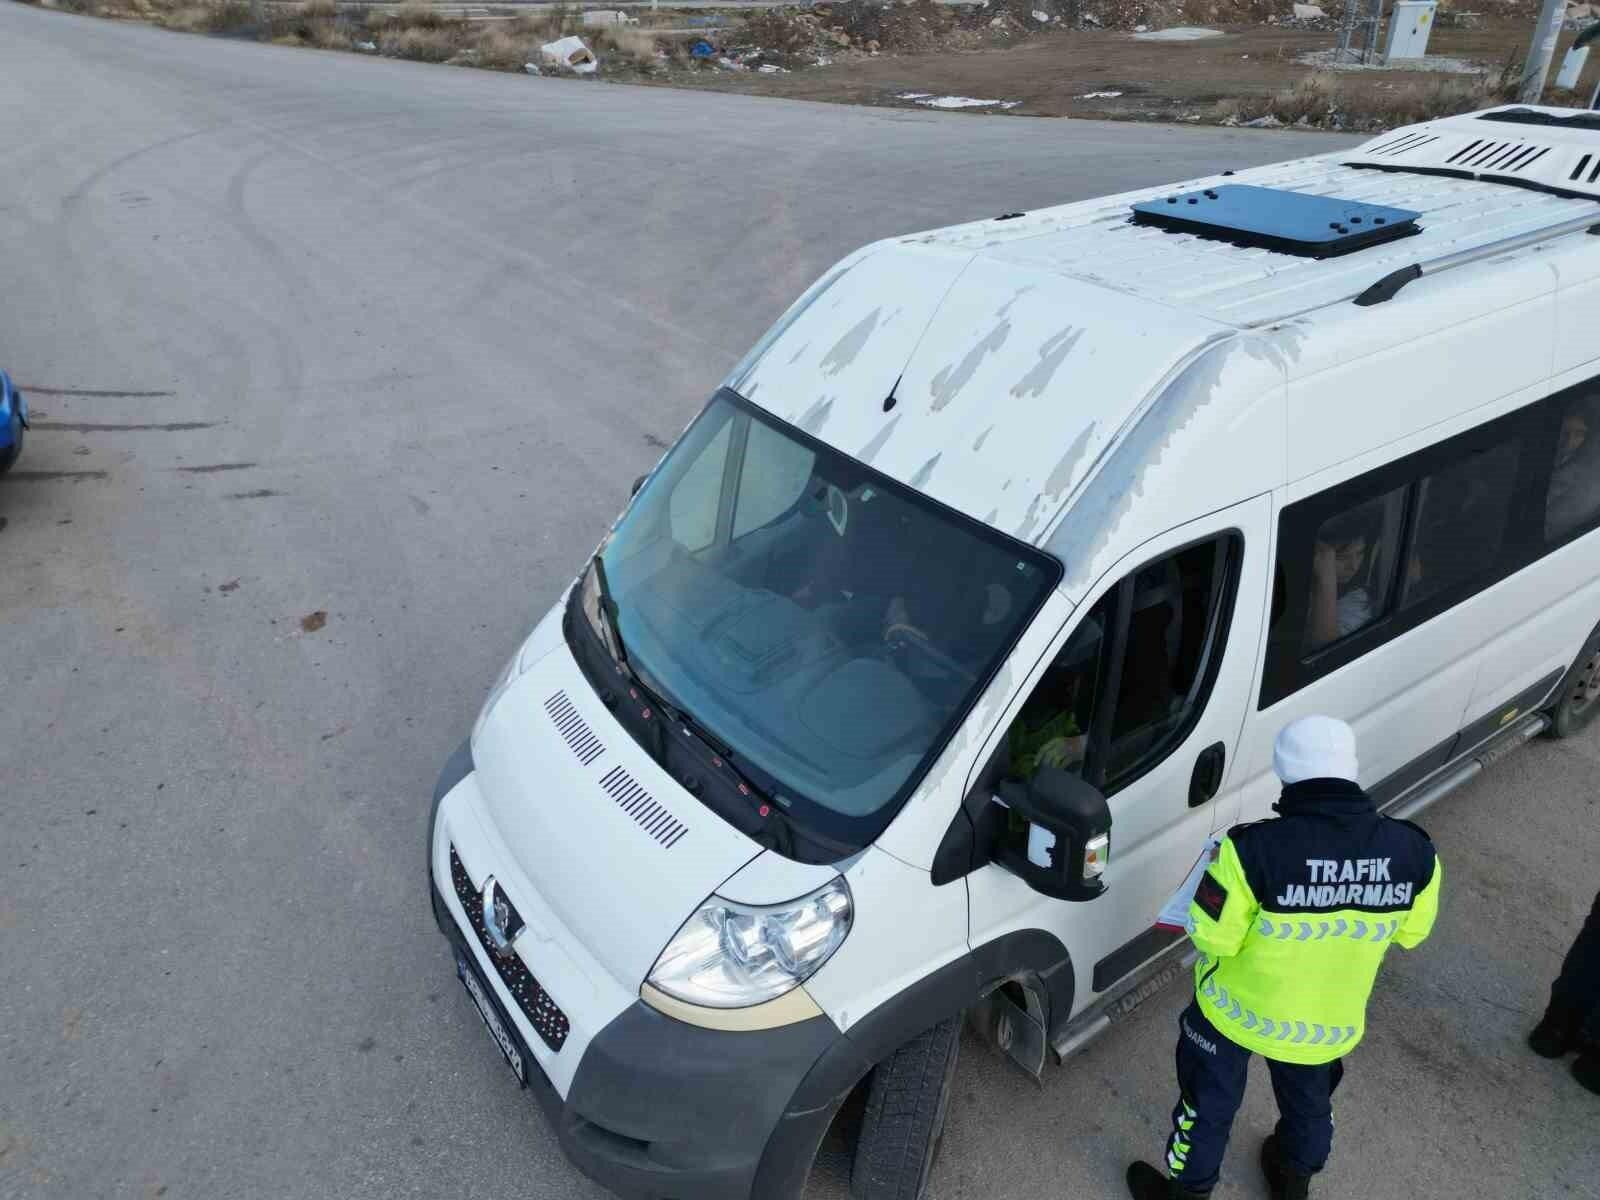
x=1315, y=748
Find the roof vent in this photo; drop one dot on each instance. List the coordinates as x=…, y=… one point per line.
x=1272, y=219
x=1525, y=148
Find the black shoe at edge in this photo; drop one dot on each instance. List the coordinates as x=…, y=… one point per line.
x=1147, y=1183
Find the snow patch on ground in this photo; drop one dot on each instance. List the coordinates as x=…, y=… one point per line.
x=929, y=100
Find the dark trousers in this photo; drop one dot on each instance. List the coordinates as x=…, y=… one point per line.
x=1211, y=1078
x=1575, y=995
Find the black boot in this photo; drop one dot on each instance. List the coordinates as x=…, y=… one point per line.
x=1586, y=1069
x=1555, y=1034
x=1283, y=1181
x=1147, y=1183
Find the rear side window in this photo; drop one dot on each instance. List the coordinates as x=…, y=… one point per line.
x=1463, y=512
x=1573, y=502
x=1377, y=555
x=1352, y=568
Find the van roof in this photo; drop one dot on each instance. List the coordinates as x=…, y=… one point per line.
x=1005, y=366
x=1475, y=180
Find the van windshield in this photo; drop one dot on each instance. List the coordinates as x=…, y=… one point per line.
x=827, y=625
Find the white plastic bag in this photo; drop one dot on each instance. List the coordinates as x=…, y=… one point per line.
x=572, y=53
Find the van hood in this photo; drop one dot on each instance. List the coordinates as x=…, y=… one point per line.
x=616, y=848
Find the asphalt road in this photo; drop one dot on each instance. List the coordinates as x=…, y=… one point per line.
x=318, y=334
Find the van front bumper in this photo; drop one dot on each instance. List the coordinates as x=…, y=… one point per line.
x=662, y=1110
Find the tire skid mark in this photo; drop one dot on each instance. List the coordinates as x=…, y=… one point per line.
x=94, y=393
x=44, y=476
x=123, y=426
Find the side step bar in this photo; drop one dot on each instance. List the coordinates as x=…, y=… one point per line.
x=1409, y=804
x=1177, y=958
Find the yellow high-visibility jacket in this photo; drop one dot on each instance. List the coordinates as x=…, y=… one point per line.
x=1294, y=917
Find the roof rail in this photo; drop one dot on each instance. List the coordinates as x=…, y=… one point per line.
x=1389, y=286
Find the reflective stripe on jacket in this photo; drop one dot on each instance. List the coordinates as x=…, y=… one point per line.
x=1294, y=917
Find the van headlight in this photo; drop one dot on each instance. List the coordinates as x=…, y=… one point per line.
x=731, y=955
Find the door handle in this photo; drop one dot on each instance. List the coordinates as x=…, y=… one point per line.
x=1207, y=777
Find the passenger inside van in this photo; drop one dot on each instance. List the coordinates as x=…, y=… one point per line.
x=1343, y=574
x=1575, y=483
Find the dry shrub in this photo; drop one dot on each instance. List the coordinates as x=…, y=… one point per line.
x=1365, y=101
x=206, y=16
x=636, y=47
x=313, y=23
x=423, y=44
x=421, y=16
x=503, y=50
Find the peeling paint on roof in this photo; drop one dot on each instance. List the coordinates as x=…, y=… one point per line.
x=870, y=450
x=947, y=384
x=851, y=344
x=925, y=473
x=982, y=437
x=1051, y=355
x=816, y=416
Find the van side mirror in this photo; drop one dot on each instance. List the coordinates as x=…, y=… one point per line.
x=1067, y=845
x=637, y=484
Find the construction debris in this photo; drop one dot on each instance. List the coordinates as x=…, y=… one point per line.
x=573, y=53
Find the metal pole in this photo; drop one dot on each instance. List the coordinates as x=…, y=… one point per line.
x=1541, y=50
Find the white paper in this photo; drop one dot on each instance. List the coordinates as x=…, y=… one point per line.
x=1174, y=913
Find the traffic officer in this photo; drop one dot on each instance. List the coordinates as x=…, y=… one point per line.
x=1572, y=1020
x=1292, y=920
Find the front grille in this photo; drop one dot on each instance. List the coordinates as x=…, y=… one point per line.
x=548, y=1021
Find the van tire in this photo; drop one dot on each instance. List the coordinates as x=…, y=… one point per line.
x=907, y=1097
x=1578, y=701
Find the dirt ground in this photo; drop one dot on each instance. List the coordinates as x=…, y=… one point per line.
x=1050, y=73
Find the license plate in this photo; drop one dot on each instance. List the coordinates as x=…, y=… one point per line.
x=502, y=1036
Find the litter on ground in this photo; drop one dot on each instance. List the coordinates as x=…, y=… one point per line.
x=1099, y=95
x=572, y=53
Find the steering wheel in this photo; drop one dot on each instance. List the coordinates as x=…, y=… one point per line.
x=901, y=636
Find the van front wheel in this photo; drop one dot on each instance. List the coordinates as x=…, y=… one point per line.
x=1578, y=702
x=904, y=1120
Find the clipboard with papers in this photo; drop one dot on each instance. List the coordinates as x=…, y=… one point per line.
x=1174, y=915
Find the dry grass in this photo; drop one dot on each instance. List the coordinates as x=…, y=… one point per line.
x=1335, y=100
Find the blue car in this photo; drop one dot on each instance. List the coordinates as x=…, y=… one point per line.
x=13, y=420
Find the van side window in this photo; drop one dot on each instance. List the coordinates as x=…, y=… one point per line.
x=1373, y=557
x=1127, y=685
x=1352, y=568
x=1463, y=511
x=1573, y=502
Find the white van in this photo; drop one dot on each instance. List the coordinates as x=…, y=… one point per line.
x=919, y=670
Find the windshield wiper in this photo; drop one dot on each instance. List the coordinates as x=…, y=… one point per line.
x=762, y=799
x=607, y=611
